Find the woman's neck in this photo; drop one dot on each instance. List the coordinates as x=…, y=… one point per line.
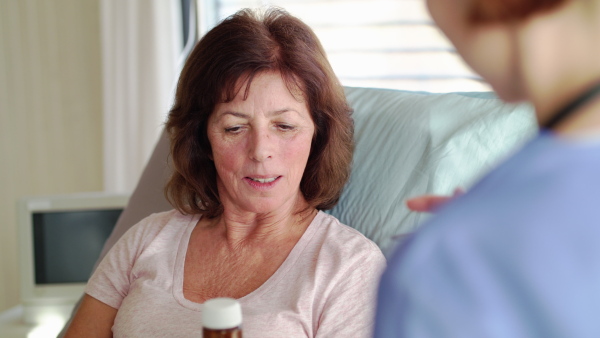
x=559, y=63
x=244, y=228
x=584, y=122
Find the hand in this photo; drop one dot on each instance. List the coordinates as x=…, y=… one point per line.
x=430, y=203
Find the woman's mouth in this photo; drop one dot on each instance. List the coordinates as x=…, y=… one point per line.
x=263, y=180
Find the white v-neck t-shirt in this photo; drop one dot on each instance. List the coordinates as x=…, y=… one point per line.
x=326, y=287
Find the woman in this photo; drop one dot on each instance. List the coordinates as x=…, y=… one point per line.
x=516, y=256
x=261, y=140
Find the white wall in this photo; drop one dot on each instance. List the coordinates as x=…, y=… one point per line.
x=50, y=111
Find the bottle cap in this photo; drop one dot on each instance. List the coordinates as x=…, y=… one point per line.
x=221, y=314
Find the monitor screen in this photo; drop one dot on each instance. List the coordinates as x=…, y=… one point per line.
x=67, y=244
x=60, y=240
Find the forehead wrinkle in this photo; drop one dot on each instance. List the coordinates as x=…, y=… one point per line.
x=232, y=113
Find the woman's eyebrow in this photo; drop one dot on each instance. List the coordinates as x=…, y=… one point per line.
x=233, y=113
x=247, y=116
x=281, y=111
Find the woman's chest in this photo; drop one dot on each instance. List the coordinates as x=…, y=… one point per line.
x=215, y=274
x=149, y=310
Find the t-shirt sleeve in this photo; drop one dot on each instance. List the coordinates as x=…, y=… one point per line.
x=111, y=280
x=350, y=307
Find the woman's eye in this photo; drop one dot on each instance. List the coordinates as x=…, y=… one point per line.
x=285, y=127
x=233, y=130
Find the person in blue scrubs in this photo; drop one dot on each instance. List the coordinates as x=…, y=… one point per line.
x=518, y=255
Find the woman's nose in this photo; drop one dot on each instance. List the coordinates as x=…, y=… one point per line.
x=261, y=145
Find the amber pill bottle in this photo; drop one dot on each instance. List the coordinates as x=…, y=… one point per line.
x=222, y=318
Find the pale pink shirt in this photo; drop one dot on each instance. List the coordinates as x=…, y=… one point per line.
x=326, y=287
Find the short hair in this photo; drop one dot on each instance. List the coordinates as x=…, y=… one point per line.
x=236, y=50
x=489, y=11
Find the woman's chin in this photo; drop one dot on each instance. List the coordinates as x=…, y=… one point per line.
x=272, y=205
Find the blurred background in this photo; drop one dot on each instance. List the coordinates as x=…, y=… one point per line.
x=85, y=85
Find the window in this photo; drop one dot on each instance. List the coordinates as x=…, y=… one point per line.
x=372, y=43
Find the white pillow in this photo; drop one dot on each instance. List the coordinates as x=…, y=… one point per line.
x=412, y=143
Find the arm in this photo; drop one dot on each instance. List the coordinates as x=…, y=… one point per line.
x=350, y=307
x=106, y=289
x=147, y=198
x=430, y=203
x=92, y=319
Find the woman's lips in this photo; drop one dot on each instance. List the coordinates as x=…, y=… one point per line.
x=262, y=182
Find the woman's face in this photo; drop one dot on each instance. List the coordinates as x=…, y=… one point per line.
x=489, y=49
x=260, y=146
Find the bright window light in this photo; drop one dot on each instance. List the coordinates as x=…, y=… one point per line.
x=374, y=43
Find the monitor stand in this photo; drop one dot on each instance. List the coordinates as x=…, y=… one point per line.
x=47, y=313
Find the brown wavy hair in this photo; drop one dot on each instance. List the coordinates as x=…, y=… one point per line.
x=235, y=51
x=489, y=11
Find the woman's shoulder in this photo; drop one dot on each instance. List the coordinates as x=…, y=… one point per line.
x=165, y=217
x=343, y=238
x=157, y=223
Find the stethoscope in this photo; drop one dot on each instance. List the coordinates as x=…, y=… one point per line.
x=572, y=107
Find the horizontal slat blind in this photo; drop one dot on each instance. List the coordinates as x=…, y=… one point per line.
x=377, y=43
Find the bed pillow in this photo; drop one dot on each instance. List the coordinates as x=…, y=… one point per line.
x=412, y=143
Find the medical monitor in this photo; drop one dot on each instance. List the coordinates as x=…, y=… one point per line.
x=61, y=237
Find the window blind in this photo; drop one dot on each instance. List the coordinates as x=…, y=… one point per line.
x=373, y=43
